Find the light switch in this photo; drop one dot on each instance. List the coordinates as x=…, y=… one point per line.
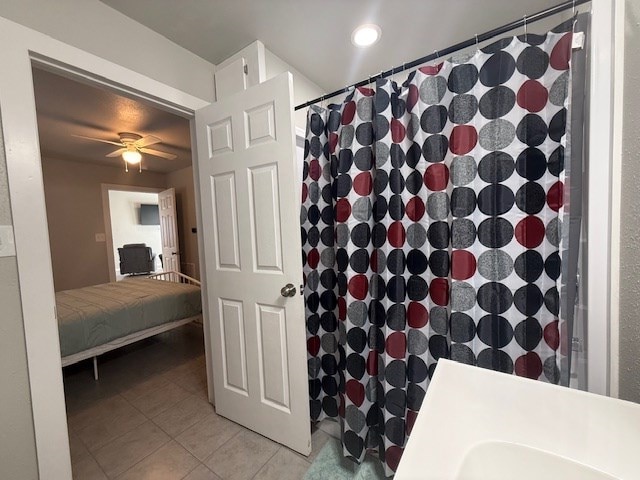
x=7, y=245
x=101, y=237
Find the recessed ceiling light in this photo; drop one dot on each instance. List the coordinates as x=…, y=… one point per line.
x=366, y=35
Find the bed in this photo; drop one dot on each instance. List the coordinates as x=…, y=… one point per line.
x=100, y=318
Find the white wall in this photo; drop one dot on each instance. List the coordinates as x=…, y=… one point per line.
x=303, y=88
x=96, y=28
x=124, y=209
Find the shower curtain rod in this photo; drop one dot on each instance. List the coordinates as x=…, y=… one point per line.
x=527, y=19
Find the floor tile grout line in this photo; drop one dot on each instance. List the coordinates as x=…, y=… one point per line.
x=268, y=460
x=148, y=455
x=223, y=443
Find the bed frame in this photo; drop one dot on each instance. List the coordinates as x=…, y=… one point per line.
x=136, y=336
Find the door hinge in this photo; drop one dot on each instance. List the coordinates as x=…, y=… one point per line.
x=246, y=69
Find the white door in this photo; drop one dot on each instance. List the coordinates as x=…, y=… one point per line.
x=169, y=230
x=251, y=232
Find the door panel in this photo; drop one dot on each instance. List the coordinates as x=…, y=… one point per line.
x=169, y=230
x=250, y=218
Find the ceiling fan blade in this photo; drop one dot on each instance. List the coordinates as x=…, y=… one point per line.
x=117, y=153
x=158, y=153
x=146, y=141
x=98, y=140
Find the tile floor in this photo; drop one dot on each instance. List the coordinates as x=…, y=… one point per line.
x=148, y=418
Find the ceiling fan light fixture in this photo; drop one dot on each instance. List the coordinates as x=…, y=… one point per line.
x=132, y=157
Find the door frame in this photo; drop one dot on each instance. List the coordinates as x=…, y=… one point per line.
x=20, y=49
x=106, y=213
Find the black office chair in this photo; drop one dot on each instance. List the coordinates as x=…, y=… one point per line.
x=135, y=259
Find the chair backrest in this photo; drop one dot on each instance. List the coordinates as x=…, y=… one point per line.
x=136, y=258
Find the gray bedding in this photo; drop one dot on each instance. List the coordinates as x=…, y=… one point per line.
x=91, y=316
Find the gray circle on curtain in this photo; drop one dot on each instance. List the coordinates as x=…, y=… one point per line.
x=342, y=235
x=355, y=418
x=362, y=209
x=329, y=343
x=497, y=134
x=438, y=205
x=314, y=192
x=347, y=133
x=357, y=313
x=364, y=108
x=314, y=365
x=416, y=235
x=553, y=232
x=495, y=265
x=463, y=170
x=439, y=320
x=417, y=342
x=463, y=296
x=328, y=257
x=313, y=280
x=413, y=126
x=432, y=89
x=382, y=154
x=559, y=89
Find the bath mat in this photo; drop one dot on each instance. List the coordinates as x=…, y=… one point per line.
x=330, y=464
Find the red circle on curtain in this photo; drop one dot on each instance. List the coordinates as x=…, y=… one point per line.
x=412, y=97
x=372, y=363
x=355, y=392
x=555, y=196
x=305, y=192
x=528, y=365
x=313, y=345
x=343, y=210
x=348, y=112
x=431, y=69
x=561, y=53
x=367, y=92
x=396, y=234
x=396, y=345
x=313, y=258
x=397, y=131
x=373, y=261
x=392, y=456
x=463, y=138
x=417, y=315
x=552, y=335
x=314, y=169
x=342, y=308
x=333, y=142
x=532, y=96
x=359, y=286
x=414, y=209
x=436, y=177
x=463, y=264
x=530, y=231
x=439, y=291
x=363, y=184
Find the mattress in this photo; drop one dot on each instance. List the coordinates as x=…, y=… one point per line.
x=92, y=316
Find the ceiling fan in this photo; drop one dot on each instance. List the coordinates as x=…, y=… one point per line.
x=132, y=146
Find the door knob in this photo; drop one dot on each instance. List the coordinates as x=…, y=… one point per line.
x=288, y=290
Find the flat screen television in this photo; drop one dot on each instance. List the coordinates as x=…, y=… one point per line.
x=149, y=215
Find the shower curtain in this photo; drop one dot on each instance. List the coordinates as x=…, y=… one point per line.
x=431, y=228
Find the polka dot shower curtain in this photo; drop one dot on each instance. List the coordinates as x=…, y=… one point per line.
x=431, y=229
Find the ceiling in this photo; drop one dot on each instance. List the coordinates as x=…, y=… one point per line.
x=315, y=36
x=66, y=107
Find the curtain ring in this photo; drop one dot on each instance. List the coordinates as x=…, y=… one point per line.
x=574, y=8
x=525, y=27
x=477, y=42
